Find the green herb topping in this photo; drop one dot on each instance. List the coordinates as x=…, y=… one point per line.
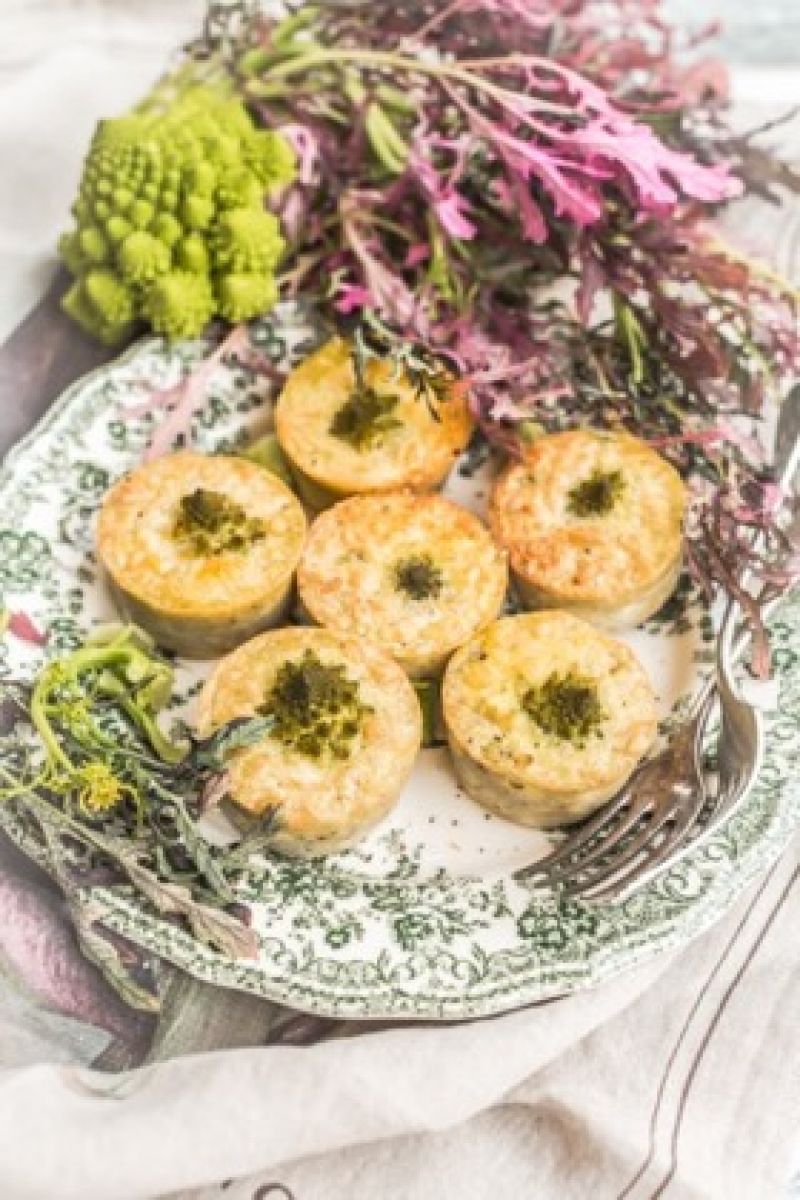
x=597, y=495
x=418, y=576
x=364, y=418
x=366, y=415
x=317, y=710
x=566, y=707
x=210, y=523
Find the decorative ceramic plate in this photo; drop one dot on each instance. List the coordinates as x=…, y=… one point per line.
x=424, y=918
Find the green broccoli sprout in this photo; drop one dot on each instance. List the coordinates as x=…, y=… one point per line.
x=566, y=706
x=170, y=220
x=316, y=708
x=210, y=523
x=597, y=495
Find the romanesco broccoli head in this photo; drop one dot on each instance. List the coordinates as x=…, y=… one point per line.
x=170, y=221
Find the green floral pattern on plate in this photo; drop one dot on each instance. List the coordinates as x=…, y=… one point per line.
x=424, y=919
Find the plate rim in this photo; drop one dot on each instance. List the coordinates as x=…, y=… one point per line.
x=726, y=880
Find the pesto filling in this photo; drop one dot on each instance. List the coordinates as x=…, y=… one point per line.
x=597, y=495
x=419, y=577
x=365, y=418
x=317, y=709
x=566, y=707
x=209, y=522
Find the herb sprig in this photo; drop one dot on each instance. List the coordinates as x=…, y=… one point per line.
x=112, y=801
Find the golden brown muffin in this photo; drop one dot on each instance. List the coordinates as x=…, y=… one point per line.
x=201, y=550
x=546, y=717
x=593, y=523
x=417, y=575
x=339, y=444
x=347, y=730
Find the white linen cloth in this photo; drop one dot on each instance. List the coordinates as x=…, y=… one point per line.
x=679, y=1080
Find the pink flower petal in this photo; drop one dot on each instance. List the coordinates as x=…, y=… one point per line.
x=352, y=296
x=450, y=211
x=22, y=627
x=418, y=253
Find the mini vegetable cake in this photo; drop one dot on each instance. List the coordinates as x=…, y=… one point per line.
x=546, y=717
x=346, y=730
x=200, y=550
x=348, y=428
x=417, y=575
x=593, y=523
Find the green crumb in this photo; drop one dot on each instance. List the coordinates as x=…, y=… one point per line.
x=366, y=416
x=419, y=577
x=317, y=710
x=209, y=522
x=566, y=707
x=597, y=495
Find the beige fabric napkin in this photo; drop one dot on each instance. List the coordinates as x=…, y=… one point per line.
x=681, y=1079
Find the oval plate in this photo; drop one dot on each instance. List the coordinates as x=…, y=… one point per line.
x=423, y=919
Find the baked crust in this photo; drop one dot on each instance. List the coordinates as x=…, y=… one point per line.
x=347, y=576
x=615, y=568
x=417, y=455
x=319, y=805
x=199, y=605
x=503, y=759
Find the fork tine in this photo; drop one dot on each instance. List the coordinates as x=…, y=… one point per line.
x=579, y=861
x=628, y=863
x=675, y=817
x=676, y=844
x=576, y=840
x=668, y=852
x=734, y=786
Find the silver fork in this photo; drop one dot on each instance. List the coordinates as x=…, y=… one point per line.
x=653, y=820
x=637, y=835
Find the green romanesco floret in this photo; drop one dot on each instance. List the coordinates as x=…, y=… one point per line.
x=141, y=213
x=247, y=239
x=69, y=252
x=170, y=224
x=117, y=229
x=242, y=296
x=197, y=212
x=270, y=157
x=239, y=189
x=199, y=179
x=191, y=254
x=142, y=257
x=167, y=228
x=102, y=303
x=179, y=304
x=93, y=245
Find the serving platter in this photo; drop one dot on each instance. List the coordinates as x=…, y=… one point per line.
x=424, y=918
